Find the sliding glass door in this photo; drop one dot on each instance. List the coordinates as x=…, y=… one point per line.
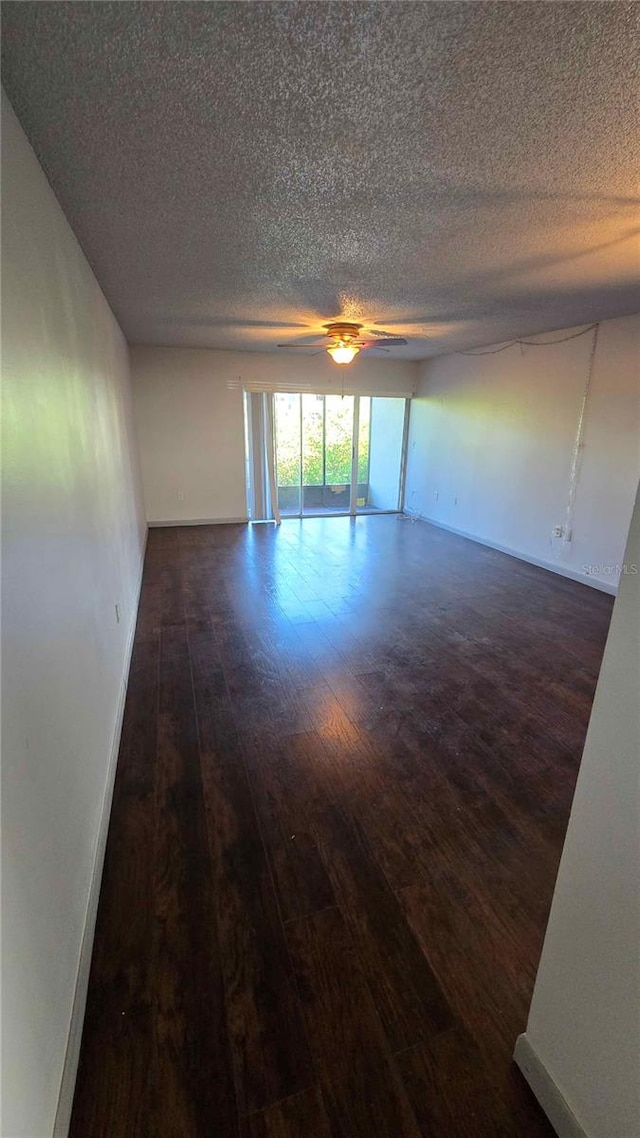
x=381, y=442
x=338, y=454
x=288, y=453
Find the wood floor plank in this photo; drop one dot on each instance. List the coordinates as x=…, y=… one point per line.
x=300, y=876
x=302, y=1116
x=405, y=990
x=270, y=1051
x=192, y=1068
x=216, y=721
x=484, y=981
x=450, y=1091
x=362, y=1089
x=357, y=770
x=455, y=1095
x=320, y=857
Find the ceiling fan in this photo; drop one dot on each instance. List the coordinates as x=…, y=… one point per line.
x=347, y=339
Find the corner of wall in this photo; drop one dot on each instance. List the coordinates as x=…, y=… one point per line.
x=549, y=1096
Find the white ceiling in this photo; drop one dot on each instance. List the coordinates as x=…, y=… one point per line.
x=240, y=173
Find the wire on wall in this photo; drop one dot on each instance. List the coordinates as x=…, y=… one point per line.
x=578, y=445
x=531, y=343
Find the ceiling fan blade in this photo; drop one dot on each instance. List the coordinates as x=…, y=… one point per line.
x=379, y=332
x=239, y=323
x=421, y=321
x=387, y=342
x=308, y=349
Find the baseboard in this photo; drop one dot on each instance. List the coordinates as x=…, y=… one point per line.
x=551, y=566
x=551, y=1099
x=199, y=522
x=74, y=1038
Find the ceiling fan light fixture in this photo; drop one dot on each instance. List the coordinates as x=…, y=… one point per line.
x=343, y=353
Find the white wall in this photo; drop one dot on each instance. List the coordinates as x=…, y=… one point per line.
x=190, y=422
x=584, y=1024
x=73, y=539
x=190, y=429
x=493, y=437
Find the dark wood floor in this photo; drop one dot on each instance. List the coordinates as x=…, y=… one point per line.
x=347, y=763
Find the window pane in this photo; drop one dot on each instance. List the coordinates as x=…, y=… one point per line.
x=364, y=431
x=287, y=417
x=312, y=416
x=288, y=439
x=339, y=439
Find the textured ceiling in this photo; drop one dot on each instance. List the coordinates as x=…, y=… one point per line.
x=240, y=173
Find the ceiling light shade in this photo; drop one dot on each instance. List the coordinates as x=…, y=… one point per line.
x=343, y=353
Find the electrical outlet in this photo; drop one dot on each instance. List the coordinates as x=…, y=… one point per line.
x=180, y=495
x=557, y=531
